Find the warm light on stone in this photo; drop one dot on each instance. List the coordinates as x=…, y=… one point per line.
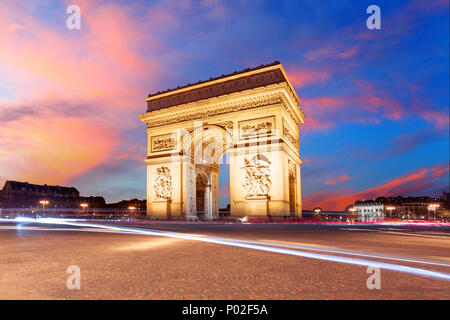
x=254, y=117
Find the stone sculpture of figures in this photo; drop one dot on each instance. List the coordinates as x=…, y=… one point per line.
x=257, y=180
x=163, y=183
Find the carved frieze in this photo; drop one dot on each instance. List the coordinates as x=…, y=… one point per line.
x=289, y=136
x=257, y=181
x=228, y=125
x=215, y=110
x=163, y=183
x=163, y=142
x=254, y=128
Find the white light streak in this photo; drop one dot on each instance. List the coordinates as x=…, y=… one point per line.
x=243, y=244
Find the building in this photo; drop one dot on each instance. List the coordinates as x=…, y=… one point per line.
x=400, y=207
x=412, y=207
x=369, y=211
x=253, y=116
x=17, y=194
x=445, y=199
x=139, y=205
x=92, y=202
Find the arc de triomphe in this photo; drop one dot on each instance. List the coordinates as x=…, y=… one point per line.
x=253, y=116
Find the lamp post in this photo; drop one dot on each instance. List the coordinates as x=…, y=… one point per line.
x=44, y=202
x=132, y=209
x=352, y=210
x=84, y=206
x=433, y=207
x=390, y=211
x=317, y=212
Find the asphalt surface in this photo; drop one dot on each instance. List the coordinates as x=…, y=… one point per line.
x=122, y=264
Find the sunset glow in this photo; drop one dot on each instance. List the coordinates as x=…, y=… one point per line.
x=376, y=102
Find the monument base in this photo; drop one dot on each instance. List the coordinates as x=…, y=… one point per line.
x=160, y=209
x=257, y=206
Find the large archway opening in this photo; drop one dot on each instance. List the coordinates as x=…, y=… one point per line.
x=208, y=146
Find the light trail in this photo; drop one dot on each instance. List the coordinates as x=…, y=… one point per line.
x=275, y=244
x=349, y=252
x=25, y=228
x=242, y=244
x=414, y=234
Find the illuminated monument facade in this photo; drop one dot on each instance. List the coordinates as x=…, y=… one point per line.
x=253, y=116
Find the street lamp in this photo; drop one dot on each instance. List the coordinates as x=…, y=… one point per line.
x=433, y=207
x=44, y=202
x=132, y=208
x=390, y=211
x=84, y=206
x=352, y=211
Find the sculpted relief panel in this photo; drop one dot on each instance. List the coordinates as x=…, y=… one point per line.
x=163, y=183
x=163, y=142
x=254, y=128
x=219, y=109
x=289, y=136
x=257, y=181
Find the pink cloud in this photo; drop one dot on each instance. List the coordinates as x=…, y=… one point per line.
x=52, y=150
x=101, y=61
x=338, y=179
x=369, y=105
x=82, y=87
x=349, y=53
x=413, y=181
x=332, y=52
x=319, y=53
x=301, y=77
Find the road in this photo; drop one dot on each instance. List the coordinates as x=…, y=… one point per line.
x=223, y=261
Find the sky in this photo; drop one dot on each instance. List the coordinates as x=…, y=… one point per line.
x=376, y=101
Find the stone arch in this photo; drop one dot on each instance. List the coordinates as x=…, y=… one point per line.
x=204, y=147
x=292, y=187
x=207, y=144
x=255, y=123
x=203, y=195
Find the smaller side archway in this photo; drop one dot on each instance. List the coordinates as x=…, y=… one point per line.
x=292, y=188
x=203, y=205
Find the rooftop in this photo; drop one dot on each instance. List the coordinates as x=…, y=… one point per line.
x=216, y=78
x=17, y=185
x=238, y=81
